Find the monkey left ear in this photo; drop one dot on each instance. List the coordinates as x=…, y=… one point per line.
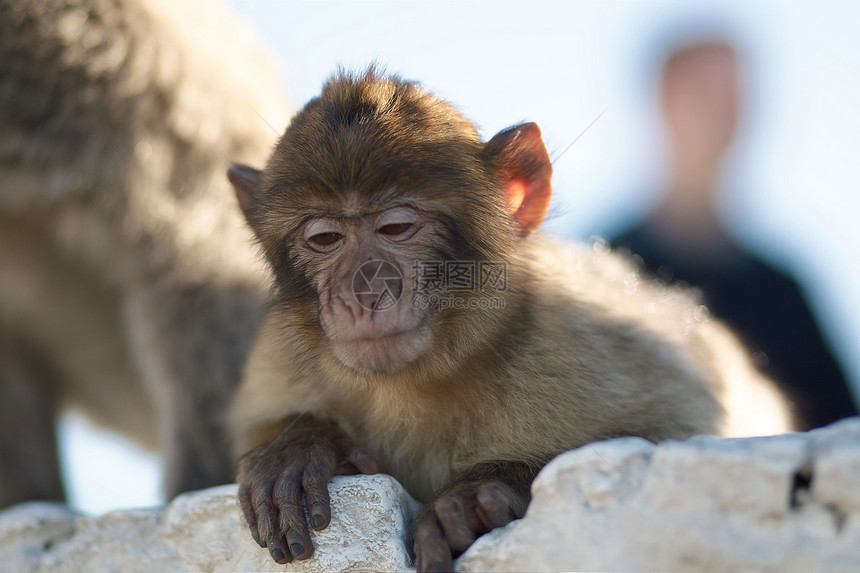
x=527, y=173
x=245, y=182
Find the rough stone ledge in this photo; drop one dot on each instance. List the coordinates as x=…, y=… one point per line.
x=204, y=531
x=783, y=503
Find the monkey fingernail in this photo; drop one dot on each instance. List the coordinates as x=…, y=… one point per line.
x=318, y=521
x=297, y=549
x=278, y=555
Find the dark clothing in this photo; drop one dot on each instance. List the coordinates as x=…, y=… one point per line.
x=768, y=312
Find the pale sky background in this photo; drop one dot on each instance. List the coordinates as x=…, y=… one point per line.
x=792, y=187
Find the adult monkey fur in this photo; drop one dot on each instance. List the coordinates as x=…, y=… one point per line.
x=462, y=405
x=129, y=284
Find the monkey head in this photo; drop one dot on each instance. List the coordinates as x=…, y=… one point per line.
x=374, y=193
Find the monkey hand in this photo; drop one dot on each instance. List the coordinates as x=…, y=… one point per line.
x=447, y=526
x=298, y=462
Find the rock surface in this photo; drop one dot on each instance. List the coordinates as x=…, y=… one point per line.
x=784, y=503
x=204, y=531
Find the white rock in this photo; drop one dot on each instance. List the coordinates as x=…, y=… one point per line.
x=783, y=503
x=28, y=530
x=204, y=531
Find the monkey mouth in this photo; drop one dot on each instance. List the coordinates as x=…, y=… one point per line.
x=383, y=352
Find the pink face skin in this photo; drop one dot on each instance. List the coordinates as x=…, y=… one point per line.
x=369, y=332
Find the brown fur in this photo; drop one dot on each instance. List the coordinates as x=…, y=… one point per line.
x=584, y=348
x=125, y=270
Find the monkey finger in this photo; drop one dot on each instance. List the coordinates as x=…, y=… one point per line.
x=346, y=468
x=268, y=526
x=266, y=514
x=361, y=460
x=287, y=495
x=317, y=499
x=432, y=552
x=249, y=513
x=278, y=551
x=452, y=515
x=300, y=542
x=495, y=505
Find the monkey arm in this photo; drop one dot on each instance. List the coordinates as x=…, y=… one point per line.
x=298, y=461
x=487, y=496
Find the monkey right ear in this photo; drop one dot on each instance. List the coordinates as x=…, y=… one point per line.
x=246, y=182
x=526, y=172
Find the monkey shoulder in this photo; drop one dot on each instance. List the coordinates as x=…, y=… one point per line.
x=613, y=346
x=583, y=292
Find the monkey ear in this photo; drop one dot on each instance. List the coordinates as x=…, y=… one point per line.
x=246, y=181
x=527, y=173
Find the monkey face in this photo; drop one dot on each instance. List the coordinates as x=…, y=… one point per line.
x=361, y=266
x=375, y=187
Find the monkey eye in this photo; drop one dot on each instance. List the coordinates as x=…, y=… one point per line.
x=394, y=229
x=323, y=235
x=398, y=224
x=325, y=239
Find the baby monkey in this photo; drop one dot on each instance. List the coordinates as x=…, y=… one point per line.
x=420, y=326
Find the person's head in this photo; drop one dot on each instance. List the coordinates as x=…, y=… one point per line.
x=699, y=94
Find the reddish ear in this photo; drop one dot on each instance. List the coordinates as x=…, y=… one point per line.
x=245, y=182
x=526, y=172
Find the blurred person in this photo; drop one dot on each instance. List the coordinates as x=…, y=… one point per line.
x=683, y=239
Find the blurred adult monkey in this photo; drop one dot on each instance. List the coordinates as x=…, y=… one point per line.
x=129, y=286
x=465, y=403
